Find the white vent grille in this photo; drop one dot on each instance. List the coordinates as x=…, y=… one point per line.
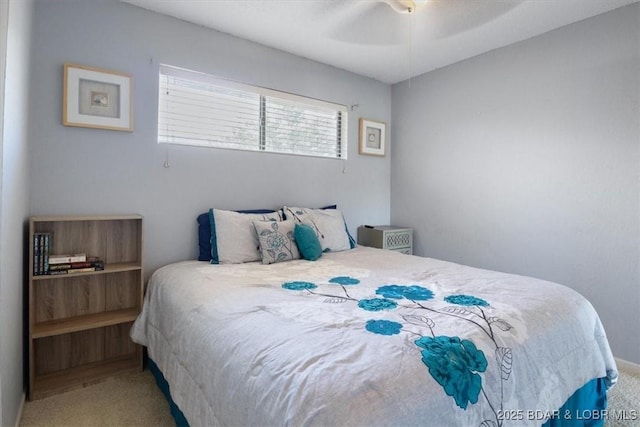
x=398, y=240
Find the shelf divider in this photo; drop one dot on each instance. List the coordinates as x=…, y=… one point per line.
x=108, y=268
x=84, y=322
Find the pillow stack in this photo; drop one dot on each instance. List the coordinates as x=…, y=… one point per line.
x=232, y=237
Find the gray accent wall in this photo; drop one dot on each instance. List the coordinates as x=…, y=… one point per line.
x=526, y=160
x=14, y=201
x=89, y=171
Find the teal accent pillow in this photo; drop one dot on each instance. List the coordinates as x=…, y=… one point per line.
x=307, y=241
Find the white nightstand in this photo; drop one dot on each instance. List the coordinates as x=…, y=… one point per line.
x=389, y=237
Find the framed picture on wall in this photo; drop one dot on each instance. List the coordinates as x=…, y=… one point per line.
x=372, y=137
x=97, y=98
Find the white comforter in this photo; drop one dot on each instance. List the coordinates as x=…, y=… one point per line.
x=368, y=337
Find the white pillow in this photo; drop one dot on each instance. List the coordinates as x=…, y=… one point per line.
x=328, y=224
x=276, y=239
x=235, y=234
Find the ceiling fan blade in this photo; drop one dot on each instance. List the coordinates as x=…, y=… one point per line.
x=377, y=23
x=374, y=23
x=401, y=6
x=437, y=19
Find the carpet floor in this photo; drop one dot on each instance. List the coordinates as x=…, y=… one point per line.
x=131, y=400
x=135, y=401
x=624, y=398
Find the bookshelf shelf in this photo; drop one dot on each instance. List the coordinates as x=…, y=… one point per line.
x=108, y=268
x=82, y=323
x=79, y=321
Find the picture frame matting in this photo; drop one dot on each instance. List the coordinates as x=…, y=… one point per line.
x=97, y=98
x=372, y=137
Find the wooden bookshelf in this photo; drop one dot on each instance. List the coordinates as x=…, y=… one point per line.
x=79, y=322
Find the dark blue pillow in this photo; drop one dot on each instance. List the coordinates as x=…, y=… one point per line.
x=307, y=242
x=204, y=237
x=204, y=232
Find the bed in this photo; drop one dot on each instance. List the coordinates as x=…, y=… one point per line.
x=368, y=337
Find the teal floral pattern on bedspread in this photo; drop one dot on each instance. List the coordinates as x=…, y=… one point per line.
x=454, y=362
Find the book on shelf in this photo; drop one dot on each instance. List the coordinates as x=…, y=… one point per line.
x=41, y=248
x=74, y=270
x=94, y=264
x=66, y=258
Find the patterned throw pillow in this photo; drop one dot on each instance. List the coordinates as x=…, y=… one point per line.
x=276, y=239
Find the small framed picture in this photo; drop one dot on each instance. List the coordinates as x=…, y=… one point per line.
x=372, y=137
x=97, y=98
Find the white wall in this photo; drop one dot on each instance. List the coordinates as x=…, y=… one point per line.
x=14, y=203
x=527, y=160
x=77, y=171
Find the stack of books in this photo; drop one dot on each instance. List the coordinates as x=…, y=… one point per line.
x=45, y=262
x=73, y=263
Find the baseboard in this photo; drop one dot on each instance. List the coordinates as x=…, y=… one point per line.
x=22, y=401
x=629, y=366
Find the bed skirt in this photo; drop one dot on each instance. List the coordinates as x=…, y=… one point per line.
x=585, y=408
x=176, y=413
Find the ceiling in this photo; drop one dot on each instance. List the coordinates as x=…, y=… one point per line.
x=370, y=38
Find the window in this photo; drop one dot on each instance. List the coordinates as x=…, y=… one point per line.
x=200, y=109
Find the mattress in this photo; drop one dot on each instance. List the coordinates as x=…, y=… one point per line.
x=368, y=337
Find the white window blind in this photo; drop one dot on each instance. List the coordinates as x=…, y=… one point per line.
x=200, y=109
